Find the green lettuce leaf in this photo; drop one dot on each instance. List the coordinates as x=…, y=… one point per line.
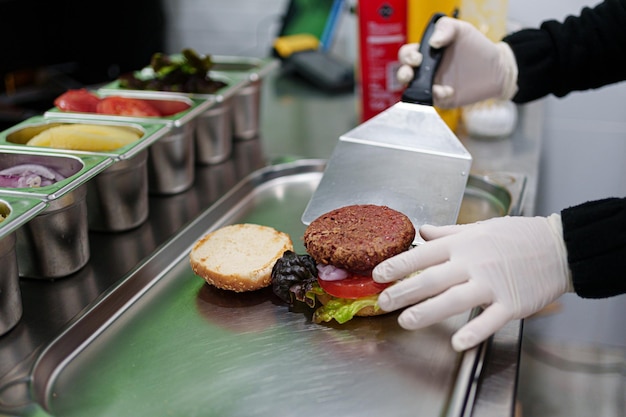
x=340, y=309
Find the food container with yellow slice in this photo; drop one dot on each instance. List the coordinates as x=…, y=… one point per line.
x=171, y=159
x=117, y=198
x=54, y=243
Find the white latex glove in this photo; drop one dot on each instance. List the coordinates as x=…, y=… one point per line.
x=472, y=69
x=511, y=266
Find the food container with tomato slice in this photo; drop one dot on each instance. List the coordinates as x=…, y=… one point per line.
x=236, y=111
x=211, y=128
x=117, y=197
x=171, y=159
x=15, y=212
x=55, y=243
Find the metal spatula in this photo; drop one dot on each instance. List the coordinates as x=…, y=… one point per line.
x=406, y=157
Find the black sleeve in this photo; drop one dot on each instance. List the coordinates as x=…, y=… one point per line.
x=595, y=237
x=583, y=52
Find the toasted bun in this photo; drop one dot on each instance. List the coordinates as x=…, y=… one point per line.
x=358, y=237
x=367, y=311
x=239, y=257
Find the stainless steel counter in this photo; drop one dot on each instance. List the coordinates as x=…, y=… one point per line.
x=297, y=121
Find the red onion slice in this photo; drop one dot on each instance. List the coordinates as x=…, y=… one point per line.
x=28, y=175
x=36, y=169
x=331, y=273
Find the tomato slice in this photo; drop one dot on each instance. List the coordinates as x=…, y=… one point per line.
x=79, y=100
x=355, y=286
x=126, y=106
x=168, y=107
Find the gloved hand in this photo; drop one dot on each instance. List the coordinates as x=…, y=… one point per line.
x=472, y=69
x=512, y=266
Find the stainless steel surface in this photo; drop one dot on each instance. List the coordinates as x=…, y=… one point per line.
x=297, y=121
x=419, y=370
x=214, y=134
x=55, y=243
x=405, y=158
x=246, y=111
x=254, y=68
x=172, y=160
x=117, y=198
x=15, y=212
x=10, y=294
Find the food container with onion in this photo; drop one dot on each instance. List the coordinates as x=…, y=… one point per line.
x=117, y=197
x=55, y=242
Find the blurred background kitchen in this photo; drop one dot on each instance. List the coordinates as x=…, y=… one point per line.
x=574, y=354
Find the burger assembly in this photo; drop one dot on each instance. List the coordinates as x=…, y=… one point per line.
x=333, y=277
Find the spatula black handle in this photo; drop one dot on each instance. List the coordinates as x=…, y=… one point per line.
x=419, y=90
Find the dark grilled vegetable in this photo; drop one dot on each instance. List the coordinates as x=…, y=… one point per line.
x=292, y=276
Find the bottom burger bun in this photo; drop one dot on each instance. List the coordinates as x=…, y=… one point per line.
x=239, y=257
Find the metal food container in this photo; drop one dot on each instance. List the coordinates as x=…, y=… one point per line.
x=55, y=243
x=22, y=132
x=14, y=213
x=171, y=159
x=118, y=196
x=246, y=111
x=246, y=103
x=213, y=134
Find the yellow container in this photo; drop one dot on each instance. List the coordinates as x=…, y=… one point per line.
x=419, y=13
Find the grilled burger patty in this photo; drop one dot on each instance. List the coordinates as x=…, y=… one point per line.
x=358, y=237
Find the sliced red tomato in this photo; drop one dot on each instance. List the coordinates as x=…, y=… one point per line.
x=168, y=107
x=79, y=100
x=355, y=286
x=126, y=106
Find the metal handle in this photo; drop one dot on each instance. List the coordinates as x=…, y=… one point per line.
x=419, y=90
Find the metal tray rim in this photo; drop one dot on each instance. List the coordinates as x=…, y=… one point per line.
x=461, y=395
